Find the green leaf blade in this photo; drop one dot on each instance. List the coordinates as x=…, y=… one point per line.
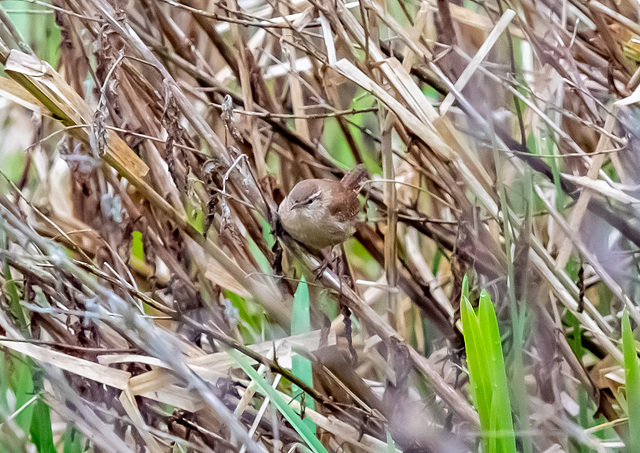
x=632, y=383
x=301, y=366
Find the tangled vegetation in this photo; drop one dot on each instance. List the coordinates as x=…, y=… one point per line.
x=152, y=301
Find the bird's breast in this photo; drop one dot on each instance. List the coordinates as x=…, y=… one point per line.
x=317, y=228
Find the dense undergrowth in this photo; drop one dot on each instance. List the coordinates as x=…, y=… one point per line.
x=151, y=301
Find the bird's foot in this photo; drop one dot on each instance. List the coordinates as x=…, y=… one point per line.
x=328, y=261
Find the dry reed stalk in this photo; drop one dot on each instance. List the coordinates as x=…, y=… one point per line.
x=188, y=121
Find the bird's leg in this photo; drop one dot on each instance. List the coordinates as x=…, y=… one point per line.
x=344, y=276
x=344, y=271
x=329, y=260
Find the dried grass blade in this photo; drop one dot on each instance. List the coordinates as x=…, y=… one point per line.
x=85, y=368
x=131, y=408
x=340, y=429
x=425, y=131
x=45, y=84
x=589, y=182
x=480, y=55
x=592, y=259
x=12, y=90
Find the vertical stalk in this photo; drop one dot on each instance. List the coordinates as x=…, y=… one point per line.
x=390, y=198
x=519, y=390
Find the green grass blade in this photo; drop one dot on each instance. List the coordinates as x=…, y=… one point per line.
x=487, y=375
x=492, y=439
x=72, y=440
x=21, y=384
x=41, y=433
x=391, y=445
x=465, y=287
x=501, y=403
x=479, y=381
x=493, y=345
x=12, y=297
x=632, y=383
x=289, y=414
x=301, y=366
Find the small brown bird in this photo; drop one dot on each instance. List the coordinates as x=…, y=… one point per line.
x=322, y=212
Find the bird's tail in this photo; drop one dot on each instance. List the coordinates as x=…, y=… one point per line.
x=354, y=178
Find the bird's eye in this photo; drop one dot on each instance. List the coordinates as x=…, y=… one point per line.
x=309, y=201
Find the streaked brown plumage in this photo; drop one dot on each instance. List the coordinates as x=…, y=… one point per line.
x=322, y=212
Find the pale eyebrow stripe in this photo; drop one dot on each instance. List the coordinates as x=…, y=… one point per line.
x=310, y=197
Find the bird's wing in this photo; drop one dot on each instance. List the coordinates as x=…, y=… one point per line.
x=348, y=208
